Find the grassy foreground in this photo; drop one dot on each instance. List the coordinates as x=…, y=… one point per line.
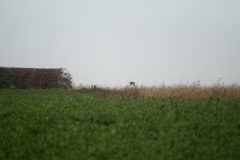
x=76, y=124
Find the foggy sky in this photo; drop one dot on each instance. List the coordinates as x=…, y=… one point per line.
x=114, y=42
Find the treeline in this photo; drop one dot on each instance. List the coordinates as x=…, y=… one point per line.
x=34, y=78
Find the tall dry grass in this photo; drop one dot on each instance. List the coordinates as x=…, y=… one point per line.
x=194, y=90
x=89, y=86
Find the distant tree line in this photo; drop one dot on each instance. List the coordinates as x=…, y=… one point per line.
x=34, y=78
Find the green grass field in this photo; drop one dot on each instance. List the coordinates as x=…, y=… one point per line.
x=72, y=124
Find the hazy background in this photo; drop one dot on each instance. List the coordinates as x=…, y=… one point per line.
x=113, y=42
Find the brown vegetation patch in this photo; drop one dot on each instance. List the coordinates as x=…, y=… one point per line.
x=194, y=90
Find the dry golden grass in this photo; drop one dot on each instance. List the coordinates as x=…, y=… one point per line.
x=89, y=86
x=80, y=86
x=194, y=90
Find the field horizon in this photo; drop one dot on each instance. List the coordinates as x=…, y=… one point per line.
x=194, y=90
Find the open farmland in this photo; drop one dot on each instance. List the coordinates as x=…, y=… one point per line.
x=103, y=124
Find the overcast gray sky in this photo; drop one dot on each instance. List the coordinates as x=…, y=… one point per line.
x=113, y=42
